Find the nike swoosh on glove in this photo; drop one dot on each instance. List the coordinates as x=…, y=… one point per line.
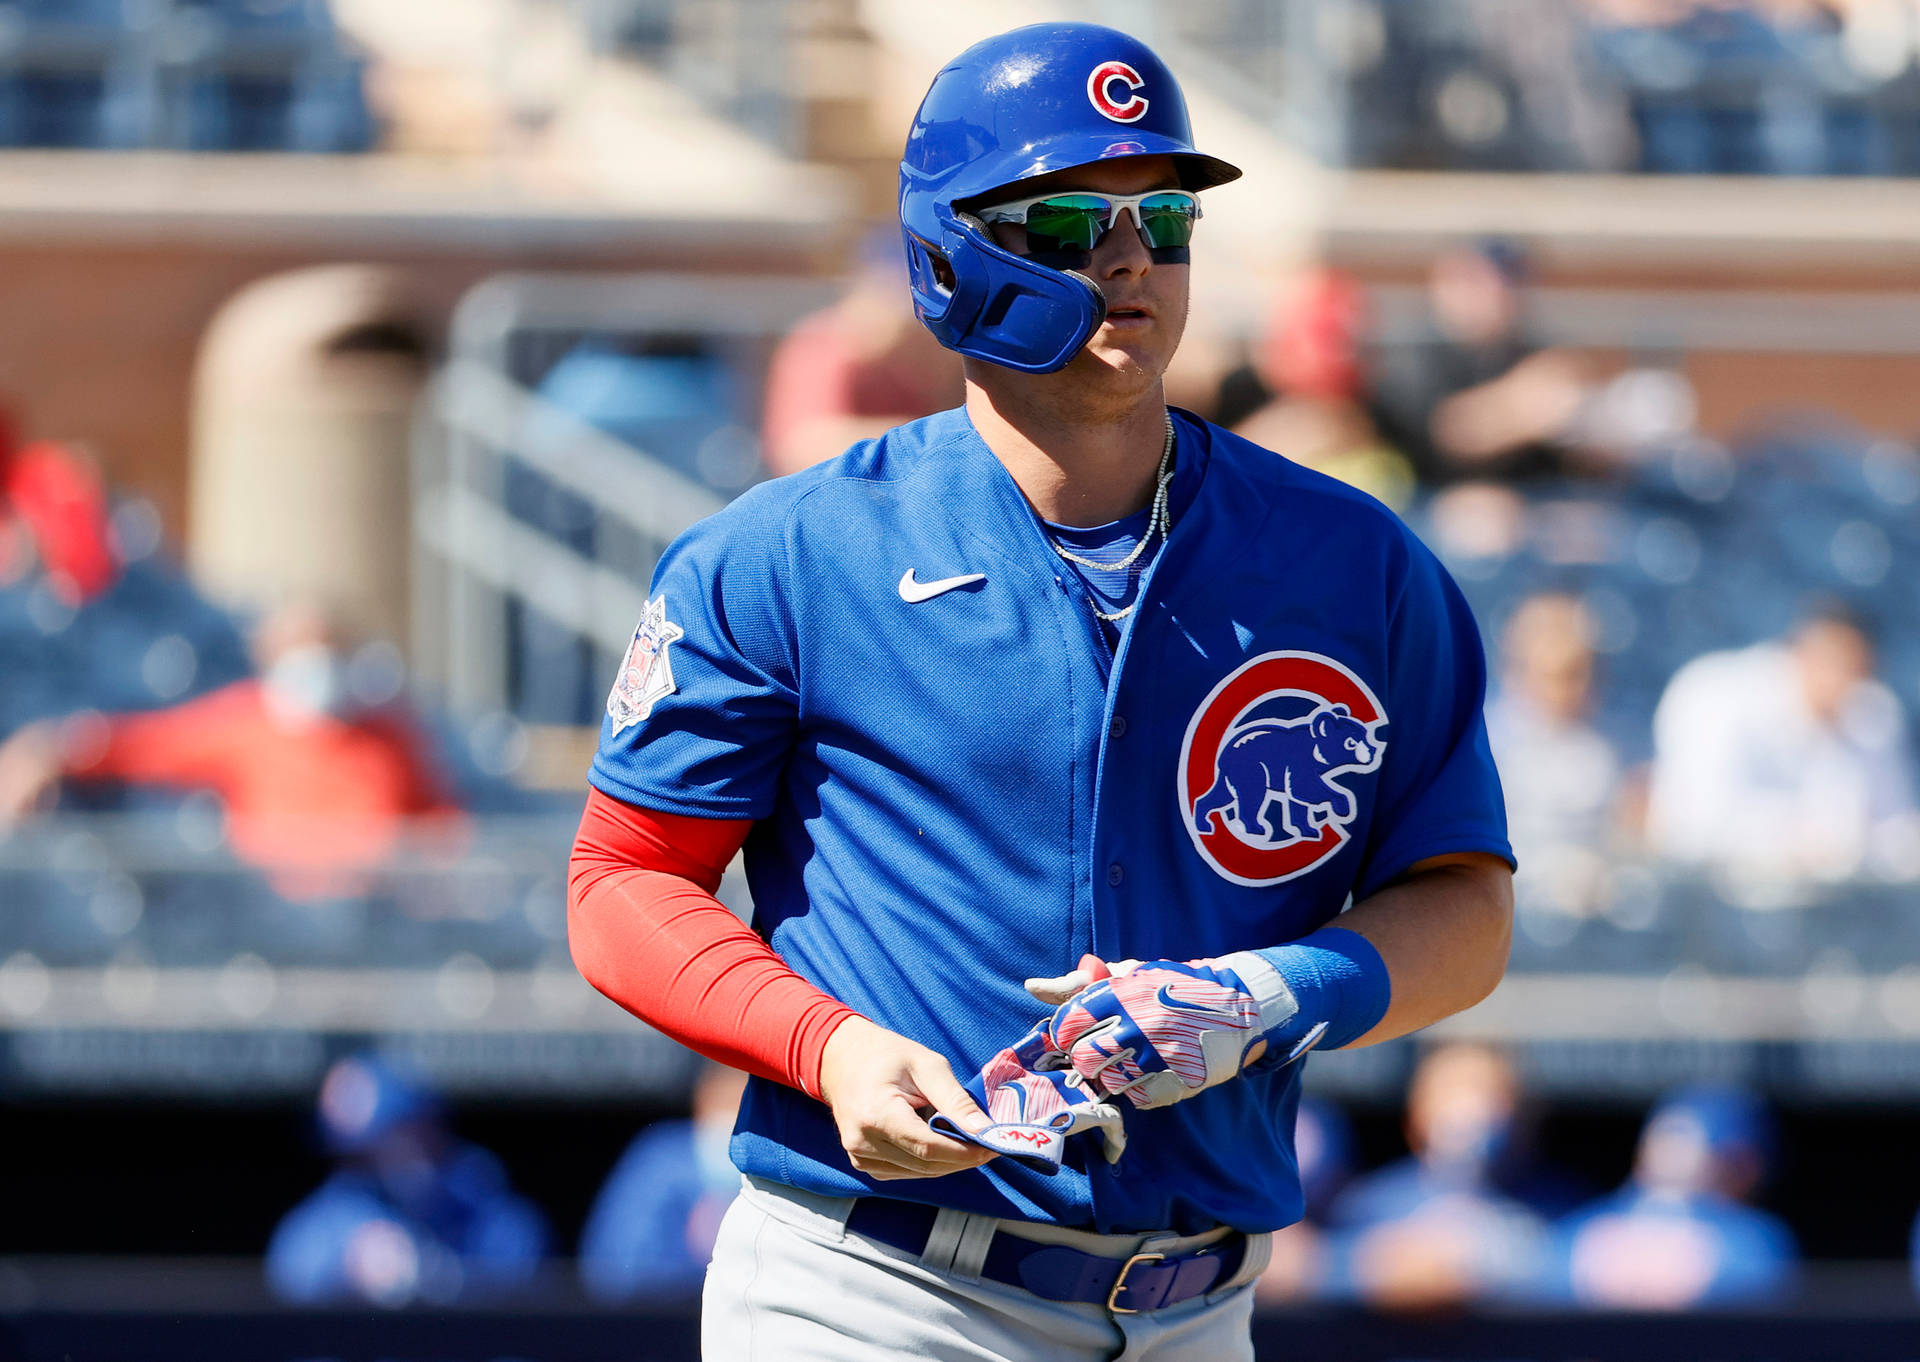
x=1159, y=1031
x=1035, y=1109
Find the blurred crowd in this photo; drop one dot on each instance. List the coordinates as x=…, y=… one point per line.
x=1703, y=655
x=124, y=685
x=1730, y=87
x=413, y=1213
x=1672, y=86
x=1474, y=1212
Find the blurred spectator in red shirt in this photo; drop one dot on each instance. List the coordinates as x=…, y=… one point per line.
x=855, y=369
x=1306, y=393
x=53, y=511
x=315, y=779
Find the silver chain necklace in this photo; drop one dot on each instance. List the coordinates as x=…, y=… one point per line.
x=1158, y=521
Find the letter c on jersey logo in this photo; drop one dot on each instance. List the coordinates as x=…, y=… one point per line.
x=1100, y=91
x=1268, y=764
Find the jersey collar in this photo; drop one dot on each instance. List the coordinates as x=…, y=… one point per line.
x=976, y=491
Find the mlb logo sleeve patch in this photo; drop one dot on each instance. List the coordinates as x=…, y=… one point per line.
x=646, y=673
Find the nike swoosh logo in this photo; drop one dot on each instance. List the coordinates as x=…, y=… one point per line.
x=1173, y=1004
x=914, y=592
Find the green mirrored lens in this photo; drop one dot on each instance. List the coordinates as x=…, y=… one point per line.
x=1066, y=222
x=1167, y=219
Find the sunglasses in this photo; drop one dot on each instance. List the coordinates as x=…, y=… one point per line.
x=1077, y=221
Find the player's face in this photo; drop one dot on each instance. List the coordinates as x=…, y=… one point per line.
x=1146, y=302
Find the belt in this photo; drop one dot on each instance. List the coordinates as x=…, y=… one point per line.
x=1126, y=1286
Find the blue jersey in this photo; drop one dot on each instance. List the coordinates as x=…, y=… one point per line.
x=956, y=783
x=1726, y=1252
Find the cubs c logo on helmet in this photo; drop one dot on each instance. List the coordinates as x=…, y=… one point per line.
x=1266, y=761
x=1100, y=91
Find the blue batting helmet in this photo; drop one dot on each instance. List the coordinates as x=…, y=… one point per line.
x=365, y=1096
x=1022, y=104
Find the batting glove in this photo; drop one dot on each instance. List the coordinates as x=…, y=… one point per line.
x=1035, y=1103
x=1159, y=1031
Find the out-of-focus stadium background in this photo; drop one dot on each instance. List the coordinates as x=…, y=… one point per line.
x=358, y=358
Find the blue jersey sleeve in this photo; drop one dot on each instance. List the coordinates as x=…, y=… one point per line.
x=1439, y=792
x=704, y=706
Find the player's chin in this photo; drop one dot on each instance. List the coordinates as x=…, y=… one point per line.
x=1127, y=353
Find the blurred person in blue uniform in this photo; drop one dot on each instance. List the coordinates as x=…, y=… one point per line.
x=1563, y=778
x=652, y=1227
x=411, y=1213
x=1301, y=1266
x=1465, y=1216
x=1681, y=1233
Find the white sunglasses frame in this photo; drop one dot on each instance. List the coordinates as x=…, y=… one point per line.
x=1121, y=203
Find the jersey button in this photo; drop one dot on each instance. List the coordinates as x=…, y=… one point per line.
x=1118, y=728
x=1115, y=874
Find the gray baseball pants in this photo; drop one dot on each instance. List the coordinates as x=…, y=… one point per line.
x=788, y=1283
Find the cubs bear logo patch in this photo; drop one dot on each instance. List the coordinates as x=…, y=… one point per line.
x=646, y=673
x=1266, y=765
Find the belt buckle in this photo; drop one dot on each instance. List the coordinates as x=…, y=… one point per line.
x=1120, y=1282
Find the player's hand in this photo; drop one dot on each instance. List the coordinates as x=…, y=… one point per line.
x=1057, y=989
x=878, y=1085
x=1036, y=1103
x=1160, y=1031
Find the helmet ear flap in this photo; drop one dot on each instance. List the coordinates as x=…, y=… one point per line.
x=930, y=277
x=1010, y=309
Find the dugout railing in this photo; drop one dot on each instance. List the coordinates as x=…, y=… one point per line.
x=488, y=443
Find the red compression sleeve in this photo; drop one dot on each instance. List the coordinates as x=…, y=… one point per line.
x=646, y=930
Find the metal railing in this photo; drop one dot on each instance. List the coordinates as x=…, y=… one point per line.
x=478, y=561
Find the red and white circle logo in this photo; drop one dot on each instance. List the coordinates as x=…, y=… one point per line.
x=1265, y=764
x=1100, y=90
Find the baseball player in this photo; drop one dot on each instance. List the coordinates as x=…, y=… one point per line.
x=1058, y=730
